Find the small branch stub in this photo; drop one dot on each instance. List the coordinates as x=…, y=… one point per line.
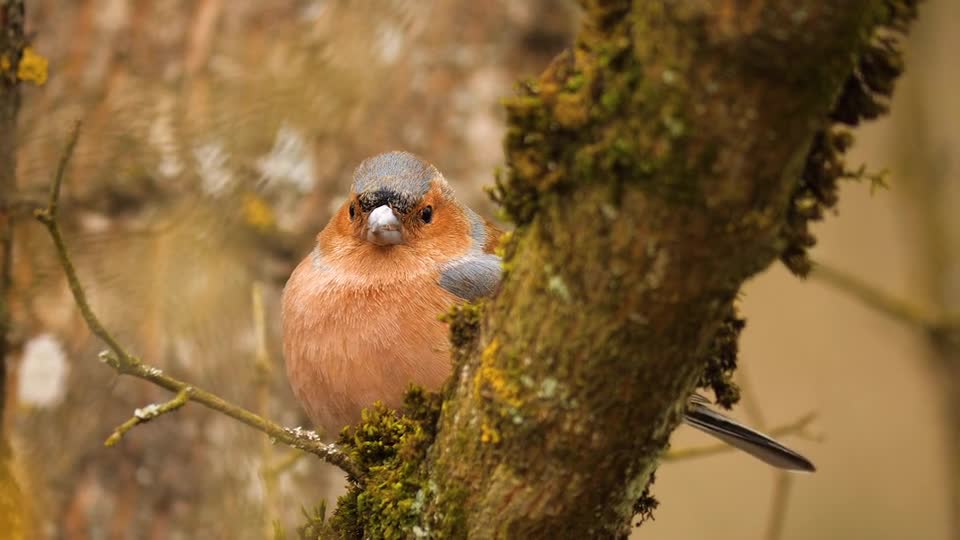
x=148, y=413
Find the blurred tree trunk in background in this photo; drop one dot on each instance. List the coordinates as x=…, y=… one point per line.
x=11, y=48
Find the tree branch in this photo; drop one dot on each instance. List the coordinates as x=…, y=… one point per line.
x=650, y=171
x=125, y=363
x=148, y=413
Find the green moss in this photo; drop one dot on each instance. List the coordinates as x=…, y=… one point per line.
x=575, y=82
x=315, y=526
x=610, y=100
x=389, y=448
x=597, y=115
x=464, y=321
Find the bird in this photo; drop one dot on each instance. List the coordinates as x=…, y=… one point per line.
x=360, y=314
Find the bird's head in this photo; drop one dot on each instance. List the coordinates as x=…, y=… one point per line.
x=397, y=199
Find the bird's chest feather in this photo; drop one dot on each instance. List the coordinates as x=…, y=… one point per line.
x=349, y=342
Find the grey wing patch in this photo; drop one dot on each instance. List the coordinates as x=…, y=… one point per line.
x=478, y=231
x=473, y=276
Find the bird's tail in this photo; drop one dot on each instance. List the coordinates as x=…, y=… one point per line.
x=750, y=441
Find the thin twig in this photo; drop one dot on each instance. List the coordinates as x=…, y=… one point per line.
x=127, y=364
x=876, y=298
x=782, y=488
x=262, y=373
x=797, y=427
x=783, y=482
x=148, y=413
x=48, y=216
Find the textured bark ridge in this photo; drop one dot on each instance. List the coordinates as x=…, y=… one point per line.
x=650, y=171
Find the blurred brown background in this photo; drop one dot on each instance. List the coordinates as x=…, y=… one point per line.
x=218, y=137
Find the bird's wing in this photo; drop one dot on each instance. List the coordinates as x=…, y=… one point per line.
x=472, y=276
x=477, y=273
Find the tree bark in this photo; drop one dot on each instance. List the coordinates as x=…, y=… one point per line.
x=650, y=173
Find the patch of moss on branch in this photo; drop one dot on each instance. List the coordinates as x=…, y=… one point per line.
x=464, y=321
x=561, y=132
x=865, y=96
x=389, y=448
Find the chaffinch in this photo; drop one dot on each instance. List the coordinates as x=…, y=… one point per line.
x=360, y=312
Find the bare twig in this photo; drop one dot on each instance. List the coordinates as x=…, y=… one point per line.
x=127, y=364
x=148, y=413
x=783, y=483
x=262, y=373
x=904, y=311
x=782, y=488
x=797, y=427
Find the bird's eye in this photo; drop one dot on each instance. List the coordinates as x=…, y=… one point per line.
x=427, y=214
x=353, y=211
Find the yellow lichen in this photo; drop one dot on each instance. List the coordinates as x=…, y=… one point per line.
x=502, y=388
x=490, y=352
x=32, y=68
x=257, y=213
x=489, y=434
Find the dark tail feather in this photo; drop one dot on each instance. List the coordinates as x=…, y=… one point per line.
x=752, y=442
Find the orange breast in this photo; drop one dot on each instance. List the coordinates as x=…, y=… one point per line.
x=354, y=337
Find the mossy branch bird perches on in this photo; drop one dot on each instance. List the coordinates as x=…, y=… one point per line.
x=650, y=171
x=125, y=363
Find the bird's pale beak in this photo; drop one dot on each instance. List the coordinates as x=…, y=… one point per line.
x=383, y=227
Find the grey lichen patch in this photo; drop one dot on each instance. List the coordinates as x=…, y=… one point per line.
x=557, y=286
x=548, y=388
x=658, y=270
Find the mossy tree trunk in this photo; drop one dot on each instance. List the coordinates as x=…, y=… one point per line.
x=11, y=47
x=650, y=173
